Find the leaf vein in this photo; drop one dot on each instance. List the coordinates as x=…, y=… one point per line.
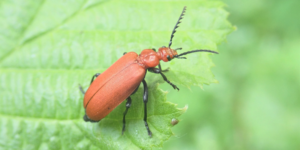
x=23, y=32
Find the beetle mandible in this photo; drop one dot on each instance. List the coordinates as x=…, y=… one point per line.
x=122, y=79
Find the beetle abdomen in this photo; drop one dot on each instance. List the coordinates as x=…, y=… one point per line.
x=113, y=86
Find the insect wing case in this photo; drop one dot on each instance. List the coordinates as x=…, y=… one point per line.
x=113, y=86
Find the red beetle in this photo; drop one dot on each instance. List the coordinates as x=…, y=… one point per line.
x=123, y=78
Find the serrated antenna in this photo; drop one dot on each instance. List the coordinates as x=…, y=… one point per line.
x=193, y=51
x=176, y=26
x=197, y=50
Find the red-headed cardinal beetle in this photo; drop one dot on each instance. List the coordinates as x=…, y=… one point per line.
x=123, y=78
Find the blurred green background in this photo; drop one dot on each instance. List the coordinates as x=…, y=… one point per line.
x=256, y=104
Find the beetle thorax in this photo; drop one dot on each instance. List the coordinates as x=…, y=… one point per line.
x=148, y=58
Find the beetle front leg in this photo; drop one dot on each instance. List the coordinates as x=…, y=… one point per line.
x=160, y=71
x=145, y=99
x=128, y=104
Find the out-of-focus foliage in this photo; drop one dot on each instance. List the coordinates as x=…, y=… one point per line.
x=256, y=105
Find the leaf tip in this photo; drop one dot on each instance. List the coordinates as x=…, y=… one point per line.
x=185, y=108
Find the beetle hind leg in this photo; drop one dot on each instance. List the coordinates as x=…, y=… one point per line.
x=145, y=99
x=128, y=104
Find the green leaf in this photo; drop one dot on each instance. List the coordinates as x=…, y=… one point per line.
x=49, y=47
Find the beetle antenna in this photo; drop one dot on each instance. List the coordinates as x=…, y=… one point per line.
x=193, y=51
x=178, y=49
x=180, y=57
x=176, y=25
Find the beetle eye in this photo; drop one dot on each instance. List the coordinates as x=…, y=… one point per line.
x=169, y=58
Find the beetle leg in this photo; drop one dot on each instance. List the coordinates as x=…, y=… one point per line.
x=135, y=89
x=145, y=99
x=165, y=78
x=128, y=104
x=81, y=89
x=87, y=119
x=95, y=76
x=173, y=85
x=165, y=70
x=158, y=70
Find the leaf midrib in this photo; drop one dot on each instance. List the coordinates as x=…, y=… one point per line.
x=16, y=117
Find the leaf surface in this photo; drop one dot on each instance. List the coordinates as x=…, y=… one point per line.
x=49, y=47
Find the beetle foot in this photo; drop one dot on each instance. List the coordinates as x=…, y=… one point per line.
x=123, y=129
x=174, y=86
x=149, y=133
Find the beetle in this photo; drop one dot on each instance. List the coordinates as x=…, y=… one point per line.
x=110, y=88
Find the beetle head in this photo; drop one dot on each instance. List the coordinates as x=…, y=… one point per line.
x=166, y=54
